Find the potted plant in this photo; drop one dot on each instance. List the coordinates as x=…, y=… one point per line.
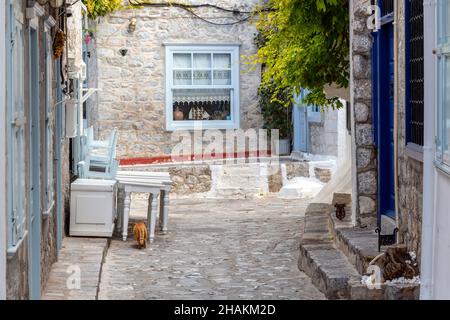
x=277, y=114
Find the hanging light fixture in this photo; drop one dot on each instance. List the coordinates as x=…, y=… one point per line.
x=132, y=25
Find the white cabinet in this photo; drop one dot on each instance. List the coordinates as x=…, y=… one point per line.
x=92, y=207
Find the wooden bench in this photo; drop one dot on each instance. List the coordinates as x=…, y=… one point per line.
x=157, y=185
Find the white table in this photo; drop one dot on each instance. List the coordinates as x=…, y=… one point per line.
x=157, y=186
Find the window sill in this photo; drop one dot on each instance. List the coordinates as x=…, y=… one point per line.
x=11, y=251
x=442, y=167
x=201, y=125
x=414, y=151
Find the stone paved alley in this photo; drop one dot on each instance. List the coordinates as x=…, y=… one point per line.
x=216, y=249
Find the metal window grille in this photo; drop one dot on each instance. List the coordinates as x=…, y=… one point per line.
x=387, y=7
x=416, y=81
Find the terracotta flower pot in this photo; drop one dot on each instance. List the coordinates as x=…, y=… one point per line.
x=178, y=114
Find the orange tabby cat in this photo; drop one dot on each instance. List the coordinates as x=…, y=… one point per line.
x=140, y=234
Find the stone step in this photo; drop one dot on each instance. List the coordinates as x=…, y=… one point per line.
x=239, y=192
x=336, y=255
x=329, y=269
x=360, y=246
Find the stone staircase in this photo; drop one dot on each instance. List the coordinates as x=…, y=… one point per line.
x=336, y=255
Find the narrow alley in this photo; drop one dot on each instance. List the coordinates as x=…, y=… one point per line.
x=215, y=249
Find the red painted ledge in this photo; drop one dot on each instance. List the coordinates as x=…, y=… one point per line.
x=192, y=157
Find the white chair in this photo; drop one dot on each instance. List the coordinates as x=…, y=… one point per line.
x=99, y=156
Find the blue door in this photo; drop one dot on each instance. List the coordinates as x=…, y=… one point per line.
x=384, y=118
x=35, y=198
x=299, y=114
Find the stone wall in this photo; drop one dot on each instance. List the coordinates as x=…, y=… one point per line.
x=132, y=96
x=363, y=145
x=410, y=166
x=410, y=174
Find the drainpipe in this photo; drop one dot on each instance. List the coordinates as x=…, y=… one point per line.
x=396, y=97
x=427, y=252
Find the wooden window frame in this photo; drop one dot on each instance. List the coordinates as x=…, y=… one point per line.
x=232, y=49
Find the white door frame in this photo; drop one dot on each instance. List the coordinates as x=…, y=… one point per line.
x=2, y=152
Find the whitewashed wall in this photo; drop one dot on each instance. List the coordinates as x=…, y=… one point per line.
x=435, y=275
x=2, y=152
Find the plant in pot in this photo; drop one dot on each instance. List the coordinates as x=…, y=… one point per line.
x=277, y=114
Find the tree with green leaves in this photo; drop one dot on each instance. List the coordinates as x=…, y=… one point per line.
x=100, y=8
x=304, y=43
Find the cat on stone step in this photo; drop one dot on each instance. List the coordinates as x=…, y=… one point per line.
x=140, y=234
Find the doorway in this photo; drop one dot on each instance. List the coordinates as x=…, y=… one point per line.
x=383, y=101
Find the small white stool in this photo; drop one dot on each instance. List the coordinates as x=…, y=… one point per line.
x=156, y=188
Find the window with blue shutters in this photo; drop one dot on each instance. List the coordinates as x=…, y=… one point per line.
x=443, y=112
x=16, y=132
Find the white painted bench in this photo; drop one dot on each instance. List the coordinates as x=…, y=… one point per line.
x=157, y=185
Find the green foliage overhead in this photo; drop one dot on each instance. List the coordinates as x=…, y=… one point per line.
x=305, y=43
x=100, y=8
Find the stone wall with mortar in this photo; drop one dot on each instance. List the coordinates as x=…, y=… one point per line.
x=362, y=127
x=190, y=178
x=132, y=96
x=410, y=168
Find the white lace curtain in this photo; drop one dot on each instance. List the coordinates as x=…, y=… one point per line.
x=193, y=95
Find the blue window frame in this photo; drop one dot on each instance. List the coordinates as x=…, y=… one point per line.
x=443, y=80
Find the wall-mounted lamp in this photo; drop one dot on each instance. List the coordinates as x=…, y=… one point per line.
x=53, y=3
x=132, y=25
x=123, y=52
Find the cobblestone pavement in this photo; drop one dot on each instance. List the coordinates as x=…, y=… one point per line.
x=215, y=249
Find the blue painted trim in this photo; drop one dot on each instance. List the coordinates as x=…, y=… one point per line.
x=35, y=199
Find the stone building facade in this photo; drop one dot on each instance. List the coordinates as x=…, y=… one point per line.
x=32, y=247
x=133, y=84
x=409, y=159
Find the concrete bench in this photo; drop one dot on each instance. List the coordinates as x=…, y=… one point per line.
x=157, y=185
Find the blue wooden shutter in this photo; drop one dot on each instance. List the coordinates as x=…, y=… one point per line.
x=16, y=110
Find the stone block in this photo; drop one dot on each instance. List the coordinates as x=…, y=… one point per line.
x=362, y=43
x=367, y=205
x=364, y=135
x=363, y=89
x=364, y=157
x=361, y=112
x=361, y=67
x=367, y=182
